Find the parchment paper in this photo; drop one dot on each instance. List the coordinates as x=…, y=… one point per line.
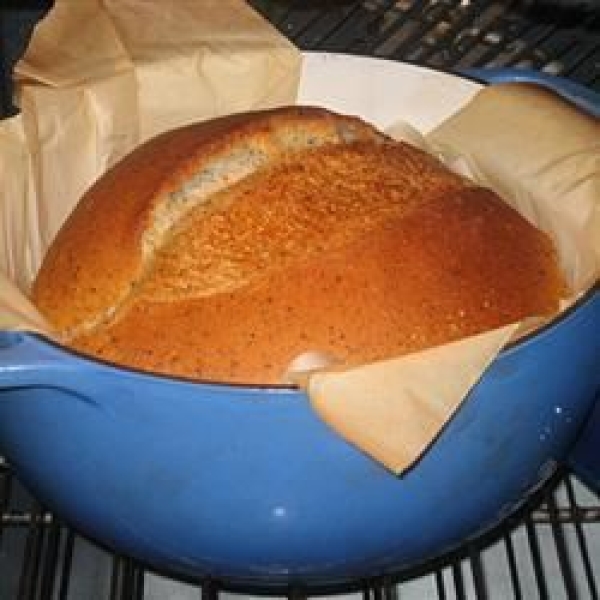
x=98, y=78
x=542, y=155
x=86, y=103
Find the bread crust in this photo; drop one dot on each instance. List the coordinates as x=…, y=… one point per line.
x=351, y=245
x=97, y=257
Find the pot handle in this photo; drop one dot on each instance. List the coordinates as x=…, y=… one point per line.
x=27, y=360
x=584, y=459
x=584, y=97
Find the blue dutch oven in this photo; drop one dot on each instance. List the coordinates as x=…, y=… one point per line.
x=246, y=484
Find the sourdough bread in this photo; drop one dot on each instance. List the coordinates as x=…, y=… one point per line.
x=224, y=250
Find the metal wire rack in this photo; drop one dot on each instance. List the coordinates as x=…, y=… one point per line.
x=560, y=37
x=551, y=548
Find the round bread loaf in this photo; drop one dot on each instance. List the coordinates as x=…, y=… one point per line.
x=224, y=250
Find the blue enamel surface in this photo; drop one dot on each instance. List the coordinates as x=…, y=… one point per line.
x=584, y=460
x=248, y=484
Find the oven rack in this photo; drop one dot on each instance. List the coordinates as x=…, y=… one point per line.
x=557, y=37
x=549, y=549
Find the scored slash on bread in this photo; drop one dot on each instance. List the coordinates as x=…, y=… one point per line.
x=224, y=249
x=102, y=250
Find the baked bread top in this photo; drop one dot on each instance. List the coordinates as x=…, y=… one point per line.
x=225, y=249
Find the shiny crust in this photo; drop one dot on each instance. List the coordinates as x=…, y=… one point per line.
x=356, y=247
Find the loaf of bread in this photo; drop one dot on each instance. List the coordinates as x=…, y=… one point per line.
x=224, y=250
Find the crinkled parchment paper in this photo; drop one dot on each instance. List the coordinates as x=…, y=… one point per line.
x=87, y=102
x=98, y=78
x=542, y=155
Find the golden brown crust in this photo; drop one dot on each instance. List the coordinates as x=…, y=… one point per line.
x=413, y=282
x=362, y=250
x=97, y=254
x=293, y=209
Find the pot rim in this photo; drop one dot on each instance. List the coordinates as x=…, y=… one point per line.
x=543, y=330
